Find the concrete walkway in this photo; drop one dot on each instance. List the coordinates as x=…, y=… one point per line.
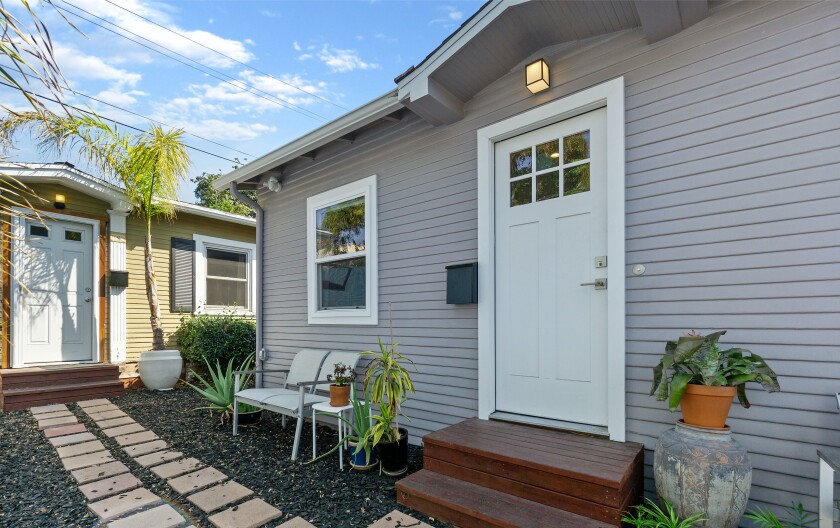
x=117, y=497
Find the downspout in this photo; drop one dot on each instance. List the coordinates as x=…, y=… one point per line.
x=258, y=309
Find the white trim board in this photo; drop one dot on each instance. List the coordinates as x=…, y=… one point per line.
x=19, y=227
x=200, y=273
x=610, y=95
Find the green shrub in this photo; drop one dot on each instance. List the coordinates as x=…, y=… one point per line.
x=216, y=338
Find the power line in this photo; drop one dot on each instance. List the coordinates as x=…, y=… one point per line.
x=150, y=21
x=126, y=110
x=46, y=98
x=236, y=83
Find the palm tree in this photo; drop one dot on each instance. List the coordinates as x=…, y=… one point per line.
x=149, y=165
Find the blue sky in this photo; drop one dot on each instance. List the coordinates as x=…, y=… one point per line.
x=340, y=55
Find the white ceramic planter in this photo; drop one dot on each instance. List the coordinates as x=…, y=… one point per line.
x=160, y=369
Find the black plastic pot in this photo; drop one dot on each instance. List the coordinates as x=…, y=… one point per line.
x=393, y=456
x=250, y=418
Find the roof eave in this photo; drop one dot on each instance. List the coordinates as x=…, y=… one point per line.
x=346, y=124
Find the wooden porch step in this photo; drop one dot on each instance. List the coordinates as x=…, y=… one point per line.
x=469, y=505
x=591, y=477
x=23, y=388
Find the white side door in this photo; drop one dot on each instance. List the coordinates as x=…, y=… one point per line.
x=551, y=239
x=54, y=303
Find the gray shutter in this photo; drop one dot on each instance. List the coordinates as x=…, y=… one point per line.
x=182, y=278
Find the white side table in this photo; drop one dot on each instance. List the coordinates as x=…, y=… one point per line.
x=326, y=408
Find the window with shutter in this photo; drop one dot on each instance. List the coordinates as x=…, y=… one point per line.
x=182, y=275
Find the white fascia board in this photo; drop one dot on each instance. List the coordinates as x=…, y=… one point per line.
x=346, y=124
x=69, y=177
x=415, y=84
x=207, y=212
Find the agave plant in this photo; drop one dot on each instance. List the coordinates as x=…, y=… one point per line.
x=699, y=360
x=797, y=517
x=650, y=515
x=219, y=391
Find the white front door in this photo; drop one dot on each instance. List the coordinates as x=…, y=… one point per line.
x=54, y=302
x=551, y=243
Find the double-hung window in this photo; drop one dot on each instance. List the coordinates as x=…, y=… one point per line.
x=341, y=255
x=224, y=275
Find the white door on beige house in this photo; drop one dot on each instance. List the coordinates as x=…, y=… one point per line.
x=54, y=303
x=551, y=255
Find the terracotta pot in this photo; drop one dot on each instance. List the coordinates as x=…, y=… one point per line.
x=708, y=407
x=339, y=396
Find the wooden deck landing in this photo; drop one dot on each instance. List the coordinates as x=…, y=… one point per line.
x=490, y=473
x=26, y=387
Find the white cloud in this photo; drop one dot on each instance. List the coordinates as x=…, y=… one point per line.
x=161, y=35
x=78, y=67
x=296, y=46
x=343, y=60
x=195, y=115
x=249, y=42
x=450, y=17
x=304, y=56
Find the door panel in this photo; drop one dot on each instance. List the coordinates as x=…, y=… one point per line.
x=55, y=303
x=550, y=227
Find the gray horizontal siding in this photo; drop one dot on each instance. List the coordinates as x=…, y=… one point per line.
x=733, y=205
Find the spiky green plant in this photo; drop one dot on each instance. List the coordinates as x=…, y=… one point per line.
x=650, y=515
x=359, y=426
x=388, y=383
x=699, y=360
x=219, y=391
x=797, y=517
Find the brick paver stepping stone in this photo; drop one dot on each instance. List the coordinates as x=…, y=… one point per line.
x=62, y=420
x=113, y=422
x=144, y=449
x=163, y=516
x=123, y=503
x=92, y=403
x=106, y=415
x=109, y=486
x=136, y=438
x=123, y=430
x=48, y=408
x=195, y=481
x=218, y=497
x=80, y=449
x=177, y=468
x=72, y=439
x=101, y=409
x=297, y=522
x=91, y=459
x=64, y=430
x=251, y=514
x=89, y=474
x=397, y=519
x=153, y=459
x=54, y=414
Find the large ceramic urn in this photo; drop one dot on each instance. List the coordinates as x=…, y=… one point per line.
x=160, y=369
x=700, y=470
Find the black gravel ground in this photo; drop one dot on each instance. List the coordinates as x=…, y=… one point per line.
x=259, y=458
x=35, y=490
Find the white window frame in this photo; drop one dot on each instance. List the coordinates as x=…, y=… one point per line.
x=369, y=315
x=202, y=243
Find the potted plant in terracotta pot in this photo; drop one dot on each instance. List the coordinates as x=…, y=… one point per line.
x=363, y=455
x=387, y=382
x=701, y=378
x=341, y=378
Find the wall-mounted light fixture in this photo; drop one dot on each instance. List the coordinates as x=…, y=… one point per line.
x=536, y=76
x=59, y=201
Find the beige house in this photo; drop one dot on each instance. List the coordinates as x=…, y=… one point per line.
x=78, y=317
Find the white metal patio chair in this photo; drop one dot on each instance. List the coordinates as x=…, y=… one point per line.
x=308, y=371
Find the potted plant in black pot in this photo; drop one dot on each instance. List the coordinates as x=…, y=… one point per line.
x=341, y=378
x=388, y=383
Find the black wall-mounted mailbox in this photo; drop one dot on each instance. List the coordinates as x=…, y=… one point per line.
x=119, y=279
x=462, y=283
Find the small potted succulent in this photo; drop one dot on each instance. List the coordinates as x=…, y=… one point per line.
x=341, y=378
x=701, y=378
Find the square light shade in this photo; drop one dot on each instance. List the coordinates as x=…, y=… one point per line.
x=536, y=76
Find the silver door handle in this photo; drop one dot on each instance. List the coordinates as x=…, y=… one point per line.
x=600, y=284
